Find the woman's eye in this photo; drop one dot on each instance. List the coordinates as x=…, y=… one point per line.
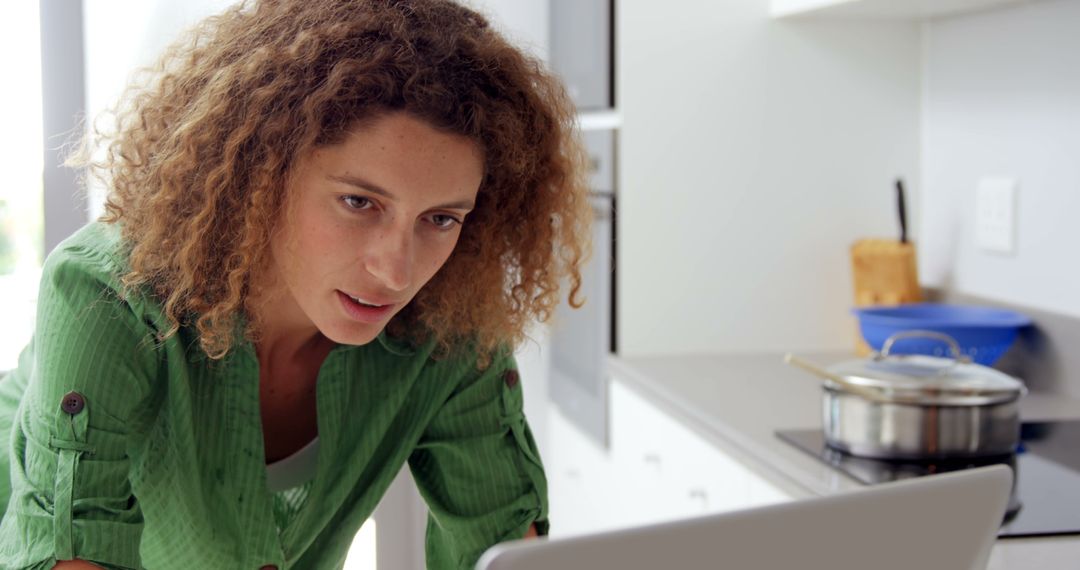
x=356, y=202
x=444, y=222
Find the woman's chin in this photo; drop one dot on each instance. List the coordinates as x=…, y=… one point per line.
x=351, y=333
x=353, y=338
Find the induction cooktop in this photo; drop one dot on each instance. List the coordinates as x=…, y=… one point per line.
x=1045, y=499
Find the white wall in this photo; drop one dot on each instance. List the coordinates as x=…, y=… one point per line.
x=121, y=36
x=1003, y=99
x=753, y=153
x=524, y=22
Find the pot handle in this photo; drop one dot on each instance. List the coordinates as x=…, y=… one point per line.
x=954, y=346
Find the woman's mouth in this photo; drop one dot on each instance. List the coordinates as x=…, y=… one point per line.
x=362, y=310
x=361, y=301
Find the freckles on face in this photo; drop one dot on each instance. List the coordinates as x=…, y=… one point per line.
x=370, y=222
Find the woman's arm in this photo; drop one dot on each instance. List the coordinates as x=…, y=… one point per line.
x=478, y=469
x=76, y=565
x=87, y=372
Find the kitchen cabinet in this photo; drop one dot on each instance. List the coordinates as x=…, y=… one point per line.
x=578, y=475
x=583, y=337
x=771, y=397
x=881, y=9
x=685, y=474
x=581, y=50
x=655, y=470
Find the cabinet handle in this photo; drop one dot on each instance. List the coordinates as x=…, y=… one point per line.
x=700, y=494
x=652, y=458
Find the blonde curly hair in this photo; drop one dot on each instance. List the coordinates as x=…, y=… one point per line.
x=197, y=159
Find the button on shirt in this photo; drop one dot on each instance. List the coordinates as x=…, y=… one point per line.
x=131, y=452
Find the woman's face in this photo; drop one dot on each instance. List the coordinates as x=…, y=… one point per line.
x=371, y=220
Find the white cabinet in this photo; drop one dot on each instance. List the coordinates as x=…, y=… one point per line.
x=684, y=474
x=578, y=473
x=881, y=9
x=655, y=470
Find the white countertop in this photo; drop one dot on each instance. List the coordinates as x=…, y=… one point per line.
x=738, y=401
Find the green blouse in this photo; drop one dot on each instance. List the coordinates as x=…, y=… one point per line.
x=131, y=453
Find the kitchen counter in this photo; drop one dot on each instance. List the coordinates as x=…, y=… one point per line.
x=738, y=401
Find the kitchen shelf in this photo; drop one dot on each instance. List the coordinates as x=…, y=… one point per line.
x=599, y=120
x=881, y=9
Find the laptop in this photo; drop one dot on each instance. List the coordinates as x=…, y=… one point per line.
x=947, y=521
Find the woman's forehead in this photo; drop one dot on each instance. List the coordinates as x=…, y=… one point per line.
x=399, y=153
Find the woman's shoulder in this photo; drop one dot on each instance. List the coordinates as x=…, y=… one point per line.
x=468, y=361
x=90, y=337
x=457, y=361
x=90, y=265
x=95, y=249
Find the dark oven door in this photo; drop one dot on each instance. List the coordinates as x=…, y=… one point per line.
x=583, y=338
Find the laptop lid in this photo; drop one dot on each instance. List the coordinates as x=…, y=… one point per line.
x=939, y=521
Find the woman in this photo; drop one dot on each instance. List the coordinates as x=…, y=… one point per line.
x=329, y=223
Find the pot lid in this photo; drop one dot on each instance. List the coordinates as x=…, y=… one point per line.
x=921, y=379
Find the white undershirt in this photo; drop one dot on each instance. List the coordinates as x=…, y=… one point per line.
x=294, y=470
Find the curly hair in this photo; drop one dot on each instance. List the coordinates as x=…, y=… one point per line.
x=199, y=155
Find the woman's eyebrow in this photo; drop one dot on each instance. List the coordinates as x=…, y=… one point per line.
x=376, y=189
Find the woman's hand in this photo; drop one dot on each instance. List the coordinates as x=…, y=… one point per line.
x=75, y=565
x=531, y=533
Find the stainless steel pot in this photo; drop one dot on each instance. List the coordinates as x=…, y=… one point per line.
x=921, y=407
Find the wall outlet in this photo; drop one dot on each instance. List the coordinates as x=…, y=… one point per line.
x=995, y=215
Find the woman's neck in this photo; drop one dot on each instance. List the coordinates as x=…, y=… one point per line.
x=288, y=341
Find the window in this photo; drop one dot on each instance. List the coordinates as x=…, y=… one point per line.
x=21, y=194
x=362, y=554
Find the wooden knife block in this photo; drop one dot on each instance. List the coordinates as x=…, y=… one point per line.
x=885, y=274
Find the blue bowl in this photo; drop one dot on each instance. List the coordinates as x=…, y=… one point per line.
x=983, y=333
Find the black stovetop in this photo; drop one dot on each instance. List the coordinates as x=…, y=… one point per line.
x=1046, y=492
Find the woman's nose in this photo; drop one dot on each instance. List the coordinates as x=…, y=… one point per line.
x=389, y=258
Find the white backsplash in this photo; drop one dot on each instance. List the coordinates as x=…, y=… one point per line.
x=1002, y=99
